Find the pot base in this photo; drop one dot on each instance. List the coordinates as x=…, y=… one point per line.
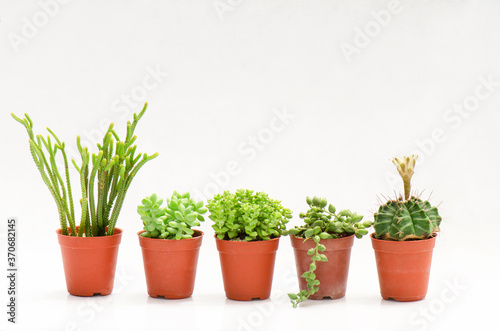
x=89, y=294
x=242, y=297
x=169, y=297
x=404, y=299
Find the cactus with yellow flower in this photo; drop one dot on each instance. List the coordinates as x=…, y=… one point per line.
x=409, y=217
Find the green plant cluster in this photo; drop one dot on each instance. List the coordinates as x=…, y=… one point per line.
x=326, y=224
x=321, y=224
x=247, y=216
x=105, y=177
x=173, y=221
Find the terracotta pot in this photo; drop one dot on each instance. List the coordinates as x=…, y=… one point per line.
x=331, y=274
x=170, y=265
x=247, y=268
x=89, y=263
x=403, y=267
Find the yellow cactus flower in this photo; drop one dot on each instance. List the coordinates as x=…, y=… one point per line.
x=406, y=166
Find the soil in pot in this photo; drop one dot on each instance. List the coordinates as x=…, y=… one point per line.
x=403, y=267
x=89, y=263
x=331, y=274
x=247, y=268
x=170, y=265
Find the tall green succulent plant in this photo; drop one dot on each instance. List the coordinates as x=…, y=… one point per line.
x=105, y=177
x=408, y=218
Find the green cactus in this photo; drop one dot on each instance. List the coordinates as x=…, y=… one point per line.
x=408, y=218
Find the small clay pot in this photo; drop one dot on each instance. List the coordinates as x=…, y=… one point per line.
x=89, y=263
x=333, y=273
x=403, y=267
x=170, y=265
x=247, y=268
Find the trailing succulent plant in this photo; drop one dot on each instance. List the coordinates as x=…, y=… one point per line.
x=322, y=223
x=247, y=216
x=408, y=218
x=173, y=221
x=109, y=172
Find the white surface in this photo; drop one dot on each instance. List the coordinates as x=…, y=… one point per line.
x=226, y=80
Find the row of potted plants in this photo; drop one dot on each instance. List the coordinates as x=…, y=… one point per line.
x=247, y=226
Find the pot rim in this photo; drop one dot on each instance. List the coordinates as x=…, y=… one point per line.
x=200, y=234
x=407, y=242
x=118, y=232
x=347, y=237
x=247, y=242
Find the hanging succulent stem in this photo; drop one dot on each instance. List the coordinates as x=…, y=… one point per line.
x=104, y=183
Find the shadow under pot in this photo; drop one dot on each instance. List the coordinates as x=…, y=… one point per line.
x=170, y=265
x=403, y=267
x=89, y=262
x=247, y=268
x=333, y=273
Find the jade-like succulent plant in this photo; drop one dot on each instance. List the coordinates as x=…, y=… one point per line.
x=408, y=218
x=173, y=221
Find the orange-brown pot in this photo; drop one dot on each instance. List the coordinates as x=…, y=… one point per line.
x=403, y=267
x=89, y=263
x=247, y=268
x=331, y=274
x=170, y=265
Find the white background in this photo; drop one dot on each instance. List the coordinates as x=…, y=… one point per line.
x=222, y=75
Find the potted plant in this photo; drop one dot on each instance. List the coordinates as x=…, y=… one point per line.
x=247, y=228
x=332, y=237
x=404, y=238
x=89, y=251
x=169, y=246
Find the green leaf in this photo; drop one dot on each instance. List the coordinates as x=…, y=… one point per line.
x=325, y=235
x=321, y=248
x=202, y=210
x=292, y=296
x=178, y=215
x=311, y=251
x=331, y=209
x=191, y=217
x=309, y=233
x=323, y=257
